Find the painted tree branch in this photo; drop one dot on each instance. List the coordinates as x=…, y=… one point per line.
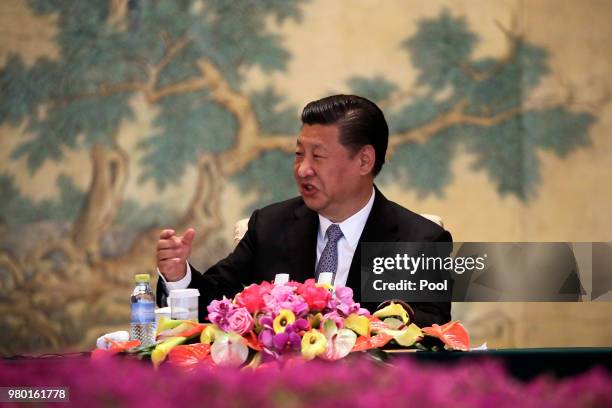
x=453, y=117
x=117, y=13
x=147, y=88
x=45, y=328
x=513, y=39
x=204, y=210
x=171, y=52
x=63, y=245
x=14, y=267
x=250, y=142
x=103, y=200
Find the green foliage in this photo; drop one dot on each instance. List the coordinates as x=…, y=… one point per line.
x=188, y=125
x=271, y=117
x=135, y=216
x=24, y=88
x=71, y=103
x=423, y=167
x=70, y=199
x=509, y=157
x=438, y=47
x=376, y=88
x=558, y=130
x=270, y=177
x=418, y=113
x=97, y=119
x=82, y=97
x=16, y=209
x=507, y=87
x=506, y=150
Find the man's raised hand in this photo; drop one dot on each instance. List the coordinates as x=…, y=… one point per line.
x=172, y=253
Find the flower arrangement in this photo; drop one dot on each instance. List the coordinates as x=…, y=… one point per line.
x=362, y=383
x=269, y=324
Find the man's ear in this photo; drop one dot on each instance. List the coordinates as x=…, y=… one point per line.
x=367, y=158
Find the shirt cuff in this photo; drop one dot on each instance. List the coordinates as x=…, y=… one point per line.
x=179, y=284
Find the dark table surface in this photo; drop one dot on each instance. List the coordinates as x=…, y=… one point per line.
x=526, y=363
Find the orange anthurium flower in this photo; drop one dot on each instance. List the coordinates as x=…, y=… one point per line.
x=377, y=325
x=367, y=343
x=186, y=329
x=115, y=348
x=252, y=341
x=452, y=334
x=189, y=356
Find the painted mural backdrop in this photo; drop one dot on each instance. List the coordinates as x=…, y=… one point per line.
x=67, y=262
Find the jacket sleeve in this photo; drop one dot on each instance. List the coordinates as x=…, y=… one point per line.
x=225, y=278
x=428, y=313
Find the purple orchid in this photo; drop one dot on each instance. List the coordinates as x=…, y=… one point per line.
x=289, y=340
x=219, y=312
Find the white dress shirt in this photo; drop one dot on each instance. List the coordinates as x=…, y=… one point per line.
x=351, y=229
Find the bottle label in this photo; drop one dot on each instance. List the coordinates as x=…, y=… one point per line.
x=143, y=312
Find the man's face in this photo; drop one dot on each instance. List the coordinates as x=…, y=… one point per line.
x=329, y=178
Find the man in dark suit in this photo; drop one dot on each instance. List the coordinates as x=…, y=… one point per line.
x=340, y=149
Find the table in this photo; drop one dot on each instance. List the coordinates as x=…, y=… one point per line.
x=525, y=363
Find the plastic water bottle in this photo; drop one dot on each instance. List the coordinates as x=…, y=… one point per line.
x=143, y=311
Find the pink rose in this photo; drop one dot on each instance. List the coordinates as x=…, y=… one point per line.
x=240, y=321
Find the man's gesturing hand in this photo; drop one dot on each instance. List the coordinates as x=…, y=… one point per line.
x=172, y=253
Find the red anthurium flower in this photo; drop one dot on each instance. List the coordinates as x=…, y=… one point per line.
x=252, y=341
x=116, y=347
x=186, y=329
x=193, y=331
x=453, y=334
x=189, y=356
x=367, y=343
x=377, y=325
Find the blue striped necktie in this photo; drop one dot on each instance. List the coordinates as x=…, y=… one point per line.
x=329, y=257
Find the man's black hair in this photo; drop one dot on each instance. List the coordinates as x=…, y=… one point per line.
x=359, y=120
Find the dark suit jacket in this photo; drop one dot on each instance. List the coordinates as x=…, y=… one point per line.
x=282, y=238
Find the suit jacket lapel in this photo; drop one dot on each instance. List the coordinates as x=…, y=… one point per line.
x=302, y=241
x=380, y=227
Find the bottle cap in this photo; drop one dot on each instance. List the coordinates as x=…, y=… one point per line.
x=142, y=277
x=184, y=293
x=326, y=278
x=281, y=278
